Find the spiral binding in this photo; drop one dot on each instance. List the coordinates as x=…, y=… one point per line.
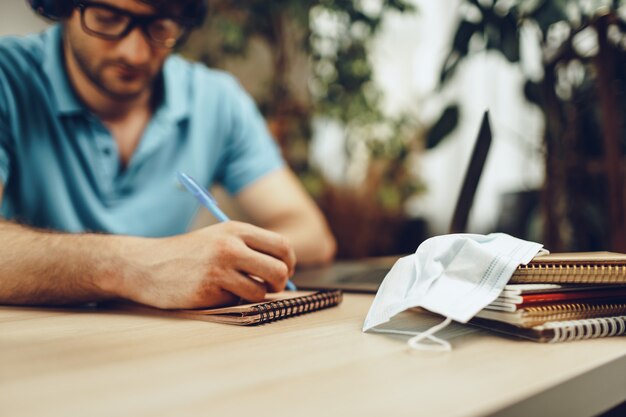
x=575, y=308
x=565, y=331
x=583, y=273
x=572, y=311
x=279, y=309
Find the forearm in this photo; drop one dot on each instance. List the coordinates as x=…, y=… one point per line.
x=208, y=267
x=278, y=202
x=310, y=237
x=39, y=267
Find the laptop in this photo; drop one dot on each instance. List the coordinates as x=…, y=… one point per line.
x=366, y=275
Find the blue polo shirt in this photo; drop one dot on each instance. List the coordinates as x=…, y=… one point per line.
x=60, y=166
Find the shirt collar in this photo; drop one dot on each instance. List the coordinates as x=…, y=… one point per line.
x=174, y=103
x=54, y=66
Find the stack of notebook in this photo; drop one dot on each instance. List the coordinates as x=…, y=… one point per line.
x=560, y=297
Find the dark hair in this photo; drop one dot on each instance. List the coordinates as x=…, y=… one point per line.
x=191, y=12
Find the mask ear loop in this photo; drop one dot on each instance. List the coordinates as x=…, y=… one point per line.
x=438, y=345
x=417, y=341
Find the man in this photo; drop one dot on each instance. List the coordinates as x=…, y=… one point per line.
x=96, y=118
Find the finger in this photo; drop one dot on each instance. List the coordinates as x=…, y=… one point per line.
x=243, y=286
x=270, y=243
x=270, y=270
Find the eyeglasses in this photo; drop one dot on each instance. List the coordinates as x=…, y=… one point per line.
x=111, y=23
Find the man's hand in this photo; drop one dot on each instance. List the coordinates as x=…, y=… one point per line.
x=213, y=266
x=210, y=267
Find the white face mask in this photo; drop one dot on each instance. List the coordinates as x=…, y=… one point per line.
x=452, y=275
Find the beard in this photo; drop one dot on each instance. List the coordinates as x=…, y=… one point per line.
x=115, y=78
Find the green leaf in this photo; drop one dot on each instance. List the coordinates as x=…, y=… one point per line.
x=478, y=4
x=449, y=67
x=460, y=48
x=401, y=6
x=444, y=126
x=532, y=92
x=509, y=38
x=550, y=12
x=463, y=35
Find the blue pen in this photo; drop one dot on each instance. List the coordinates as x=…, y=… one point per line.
x=207, y=200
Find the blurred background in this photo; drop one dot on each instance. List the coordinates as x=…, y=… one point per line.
x=376, y=105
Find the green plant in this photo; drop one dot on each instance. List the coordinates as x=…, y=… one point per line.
x=582, y=95
x=323, y=45
x=338, y=73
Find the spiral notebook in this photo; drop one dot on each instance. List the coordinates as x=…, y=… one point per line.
x=574, y=268
x=560, y=331
x=513, y=290
x=513, y=299
x=276, y=307
x=533, y=316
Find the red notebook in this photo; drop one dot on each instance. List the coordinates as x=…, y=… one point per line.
x=512, y=298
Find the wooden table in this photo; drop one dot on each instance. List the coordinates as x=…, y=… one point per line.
x=102, y=363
